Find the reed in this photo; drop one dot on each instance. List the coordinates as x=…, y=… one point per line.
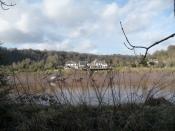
x=86, y=100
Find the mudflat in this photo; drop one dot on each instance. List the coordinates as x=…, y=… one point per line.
x=78, y=78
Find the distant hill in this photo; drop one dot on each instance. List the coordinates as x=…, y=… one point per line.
x=54, y=59
x=36, y=59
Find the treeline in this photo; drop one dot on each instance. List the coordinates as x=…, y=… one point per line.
x=38, y=60
x=166, y=58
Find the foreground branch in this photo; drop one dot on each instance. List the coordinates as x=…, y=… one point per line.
x=5, y=5
x=133, y=47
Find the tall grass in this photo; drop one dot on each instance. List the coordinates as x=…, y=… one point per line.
x=89, y=100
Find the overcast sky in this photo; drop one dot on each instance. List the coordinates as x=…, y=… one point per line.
x=91, y=26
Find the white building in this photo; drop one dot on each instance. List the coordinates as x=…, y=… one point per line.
x=82, y=64
x=98, y=64
x=71, y=64
x=152, y=62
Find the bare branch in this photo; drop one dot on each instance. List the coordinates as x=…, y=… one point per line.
x=133, y=47
x=160, y=41
x=130, y=48
x=5, y=6
x=126, y=36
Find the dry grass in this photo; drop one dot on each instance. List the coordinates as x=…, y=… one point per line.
x=112, y=100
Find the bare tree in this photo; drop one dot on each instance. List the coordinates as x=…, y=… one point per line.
x=5, y=5
x=133, y=47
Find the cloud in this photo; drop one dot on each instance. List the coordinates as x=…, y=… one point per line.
x=4, y=25
x=16, y=36
x=140, y=15
x=109, y=16
x=85, y=26
x=67, y=12
x=84, y=46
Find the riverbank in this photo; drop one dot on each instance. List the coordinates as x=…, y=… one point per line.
x=78, y=78
x=91, y=104
x=93, y=88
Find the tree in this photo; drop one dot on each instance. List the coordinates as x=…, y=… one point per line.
x=3, y=81
x=133, y=47
x=52, y=61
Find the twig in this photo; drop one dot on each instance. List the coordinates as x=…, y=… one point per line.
x=5, y=6
x=133, y=47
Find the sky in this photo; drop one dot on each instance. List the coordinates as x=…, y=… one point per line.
x=87, y=26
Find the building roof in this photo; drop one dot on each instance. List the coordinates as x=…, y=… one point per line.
x=98, y=61
x=71, y=62
x=83, y=62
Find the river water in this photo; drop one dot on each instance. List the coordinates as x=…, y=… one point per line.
x=99, y=90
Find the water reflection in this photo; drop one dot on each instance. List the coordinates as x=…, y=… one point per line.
x=107, y=89
x=104, y=95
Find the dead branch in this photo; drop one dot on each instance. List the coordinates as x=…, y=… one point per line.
x=5, y=5
x=147, y=48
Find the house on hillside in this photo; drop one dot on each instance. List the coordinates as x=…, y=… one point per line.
x=98, y=64
x=71, y=64
x=152, y=62
x=82, y=64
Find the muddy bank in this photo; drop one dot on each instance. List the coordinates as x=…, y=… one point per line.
x=76, y=79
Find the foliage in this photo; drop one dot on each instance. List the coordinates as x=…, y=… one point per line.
x=38, y=60
x=41, y=60
x=83, y=118
x=166, y=57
